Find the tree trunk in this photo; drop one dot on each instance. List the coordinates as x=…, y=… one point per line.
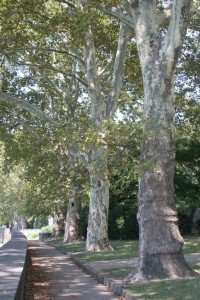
x=97, y=231
x=160, y=249
x=58, y=223
x=103, y=105
x=72, y=226
x=160, y=245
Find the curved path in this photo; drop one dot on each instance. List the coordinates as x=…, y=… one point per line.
x=67, y=281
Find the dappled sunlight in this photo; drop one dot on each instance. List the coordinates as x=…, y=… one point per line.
x=65, y=279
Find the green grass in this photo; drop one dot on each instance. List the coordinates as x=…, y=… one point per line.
x=121, y=273
x=55, y=241
x=32, y=236
x=192, y=245
x=182, y=289
x=121, y=249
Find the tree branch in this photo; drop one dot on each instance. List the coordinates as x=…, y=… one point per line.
x=21, y=104
x=163, y=18
x=52, y=68
x=122, y=15
x=69, y=3
x=79, y=155
x=71, y=52
x=178, y=25
x=91, y=67
x=118, y=65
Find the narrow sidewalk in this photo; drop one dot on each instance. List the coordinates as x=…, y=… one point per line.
x=67, y=281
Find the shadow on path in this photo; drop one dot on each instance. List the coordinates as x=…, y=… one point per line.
x=66, y=280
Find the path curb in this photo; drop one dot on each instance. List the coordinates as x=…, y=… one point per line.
x=114, y=286
x=104, y=280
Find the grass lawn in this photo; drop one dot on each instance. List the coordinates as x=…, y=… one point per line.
x=184, y=289
x=121, y=249
x=192, y=245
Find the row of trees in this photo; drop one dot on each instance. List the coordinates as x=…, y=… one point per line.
x=70, y=71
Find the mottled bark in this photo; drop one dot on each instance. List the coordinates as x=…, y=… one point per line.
x=97, y=231
x=103, y=104
x=160, y=241
x=58, y=223
x=72, y=225
x=160, y=246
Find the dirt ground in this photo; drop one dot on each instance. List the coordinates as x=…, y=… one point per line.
x=37, y=286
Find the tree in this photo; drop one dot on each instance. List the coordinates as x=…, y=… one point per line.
x=11, y=190
x=160, y=32
x=102, y=81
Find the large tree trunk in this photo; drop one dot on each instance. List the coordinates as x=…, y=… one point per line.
x=160, y=250
x=72, y=225
x=160, y=246
x=97, y=231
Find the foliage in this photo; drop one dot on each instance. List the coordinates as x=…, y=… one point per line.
x=11, y=190
x=184, y=224
x=47, y=229
x=187, y=175
x=40, y=221
x=32, y=236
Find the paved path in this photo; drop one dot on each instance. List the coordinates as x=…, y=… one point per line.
x=67, y=281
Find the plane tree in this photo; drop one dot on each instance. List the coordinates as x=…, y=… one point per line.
x=99, y=73
x=160, y=28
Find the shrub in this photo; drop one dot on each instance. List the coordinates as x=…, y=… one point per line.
x=47, y=229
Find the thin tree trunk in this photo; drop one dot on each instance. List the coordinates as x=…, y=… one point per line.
x=72, y=225
x=103, y=105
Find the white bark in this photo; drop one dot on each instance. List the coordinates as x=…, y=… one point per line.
x=102, y=107
x=58, y=223
x=97, y=231
x=72, y=225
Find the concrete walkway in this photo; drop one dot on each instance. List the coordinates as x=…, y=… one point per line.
x=67, y=281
